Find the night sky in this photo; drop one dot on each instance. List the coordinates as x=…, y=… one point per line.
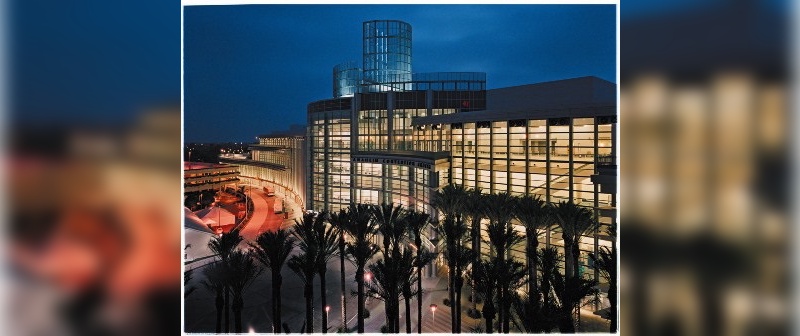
x=252, y=69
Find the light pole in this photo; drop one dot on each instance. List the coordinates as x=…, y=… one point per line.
x=327, y=310
x=433, y=311
x=368, y=278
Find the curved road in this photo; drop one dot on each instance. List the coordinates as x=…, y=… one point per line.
x=264, y=217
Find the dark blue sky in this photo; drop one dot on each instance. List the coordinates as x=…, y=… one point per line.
x=252, y=69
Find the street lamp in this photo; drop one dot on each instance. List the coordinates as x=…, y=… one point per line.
x=368, y=278
x=327, y=310
x=433, y=311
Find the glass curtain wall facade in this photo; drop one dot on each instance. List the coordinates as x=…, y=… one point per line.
x=553, y=158
x=386, y=55
x=330, y=181
x=400, y=137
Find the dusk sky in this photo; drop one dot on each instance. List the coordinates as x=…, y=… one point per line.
x=252, y=69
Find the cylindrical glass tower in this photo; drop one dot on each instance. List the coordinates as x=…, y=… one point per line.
x=387, y=55
x=346, y=79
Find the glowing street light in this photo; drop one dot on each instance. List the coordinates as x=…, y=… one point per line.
x=327, y=310
x=368, y=276
x=433, y=311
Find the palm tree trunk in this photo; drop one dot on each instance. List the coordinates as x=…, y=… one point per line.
x=344, y=300
x=277, y=279
x=533, y=281
x=220, y=303
x=419, y=295
x=238, y=304
x=323, y=300
x=501, y=287
x=309, y=294
x=507, y=316
x=360, y=296
x=488, y=310
x=476, y=247
x=452, y=296
x=407, y=299
x=457, y=303
x=227, y=311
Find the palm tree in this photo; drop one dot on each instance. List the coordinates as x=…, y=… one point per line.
x=392, y=227
x=327, y=240
x=500, y=210
x=549, y=260
x=535, y=215
x=339, y=222
x=417, y=222
x=223, y=245
x=449, y=200
x=242, y=271
x=484, y=277
x=453, y=231
x=215, y=275
x=605, y=261
x=390, y=275
x=306, y=265
x=390, y=224
x=272, y=248
x=361, y=229
x=474, y=209
x=511, y=275
x=575, y=222
x=533, y=315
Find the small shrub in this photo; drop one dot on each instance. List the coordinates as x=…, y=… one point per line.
x=365, y=313
x=446, y=302
x=473, y=313
x=384, y=329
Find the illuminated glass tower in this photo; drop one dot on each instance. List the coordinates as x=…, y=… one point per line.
x=386, y=55
x=346, y=79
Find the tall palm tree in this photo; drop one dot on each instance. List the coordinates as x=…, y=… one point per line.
x=575, y=222
x=390, y=274
x=339, y=222
x=453, y=230
x=535, y=215
x=549, y=260
x=511, y=276
x=390, y=224
x=392, y=227
x=272, y=248
x=327, y=240
x=242, y=270
x=417, y=222
x=449, y=200
x=533, y=315
x=361, y=229
x=484, y=276
x=305, y=264
x=605, y=261
x=474, y=209
x=223, y=245
x=500, y=210
x=215, y=281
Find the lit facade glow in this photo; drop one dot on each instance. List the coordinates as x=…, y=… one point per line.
x=398, y=145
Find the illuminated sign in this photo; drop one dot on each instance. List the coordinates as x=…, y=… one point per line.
x=394, y=161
